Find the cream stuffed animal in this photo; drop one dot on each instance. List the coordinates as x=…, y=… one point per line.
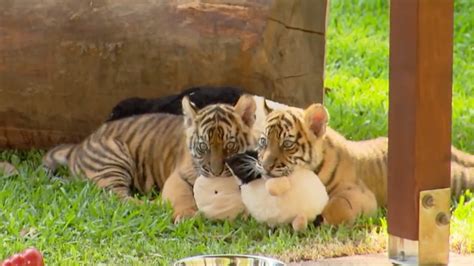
x=218, y=198
x=296, y=199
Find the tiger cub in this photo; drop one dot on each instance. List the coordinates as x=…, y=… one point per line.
x=143, y=152
x=354, y=172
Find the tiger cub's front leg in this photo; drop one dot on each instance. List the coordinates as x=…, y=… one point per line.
x=347, y=203
x=180, y=194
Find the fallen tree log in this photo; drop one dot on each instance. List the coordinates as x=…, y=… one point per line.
x=65, y=63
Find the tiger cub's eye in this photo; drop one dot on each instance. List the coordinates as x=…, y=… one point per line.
x=262, y=142
x=231, y=147
x=202, y=147
x=288, y=144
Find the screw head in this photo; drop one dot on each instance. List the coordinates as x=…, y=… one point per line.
x=442, y=219
x=427, y=201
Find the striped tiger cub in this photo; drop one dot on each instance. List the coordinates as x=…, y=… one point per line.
x=143, y=152
x=354, y=172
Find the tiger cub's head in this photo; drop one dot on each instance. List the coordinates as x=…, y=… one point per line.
x=292, y=137
x=218, y=131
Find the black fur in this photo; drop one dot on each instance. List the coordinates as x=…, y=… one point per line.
x=243, y=166
x=200, y=96
x=318, y=221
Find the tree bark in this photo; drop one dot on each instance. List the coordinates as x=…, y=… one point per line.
x=65, y=63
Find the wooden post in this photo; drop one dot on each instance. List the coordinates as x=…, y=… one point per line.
x=421, y=47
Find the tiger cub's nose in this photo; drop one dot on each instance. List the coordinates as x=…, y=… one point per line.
x=217, y=168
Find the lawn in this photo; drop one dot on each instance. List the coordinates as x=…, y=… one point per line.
x=72, y=222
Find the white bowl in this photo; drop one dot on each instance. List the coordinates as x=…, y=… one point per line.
x=228, y=260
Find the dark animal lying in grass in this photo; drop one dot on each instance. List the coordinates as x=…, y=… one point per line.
x=200, y=96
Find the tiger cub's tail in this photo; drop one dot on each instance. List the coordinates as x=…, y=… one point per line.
x=56, y=156
x=462, y=172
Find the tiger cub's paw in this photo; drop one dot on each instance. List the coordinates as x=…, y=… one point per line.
x=178, y=216
x=132, y=199
x=299, y=223
x=278, y=185
x=339, y=211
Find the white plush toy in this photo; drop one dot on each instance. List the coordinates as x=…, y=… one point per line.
x=296, y=199
x=218, y=198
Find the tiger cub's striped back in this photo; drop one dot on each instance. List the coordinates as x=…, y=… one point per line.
x=143, y=151
x=138, y=152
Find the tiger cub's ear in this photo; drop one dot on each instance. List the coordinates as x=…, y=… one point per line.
x=189, y=111
x=246, y=107
x=316, y=117
x=266, y=108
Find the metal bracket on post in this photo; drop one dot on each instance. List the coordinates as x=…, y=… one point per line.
x=432, y=247
x=433, y=230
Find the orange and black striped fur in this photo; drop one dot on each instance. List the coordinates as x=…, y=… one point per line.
x=354, y=172
x=143, y=152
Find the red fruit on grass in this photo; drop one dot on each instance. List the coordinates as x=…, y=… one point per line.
x=33, y=257
x=29, y=257
x=7, y=262
x=18, y=260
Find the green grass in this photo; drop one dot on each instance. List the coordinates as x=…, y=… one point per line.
x=73, y=222
x=462, y=225
x=357, y=70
